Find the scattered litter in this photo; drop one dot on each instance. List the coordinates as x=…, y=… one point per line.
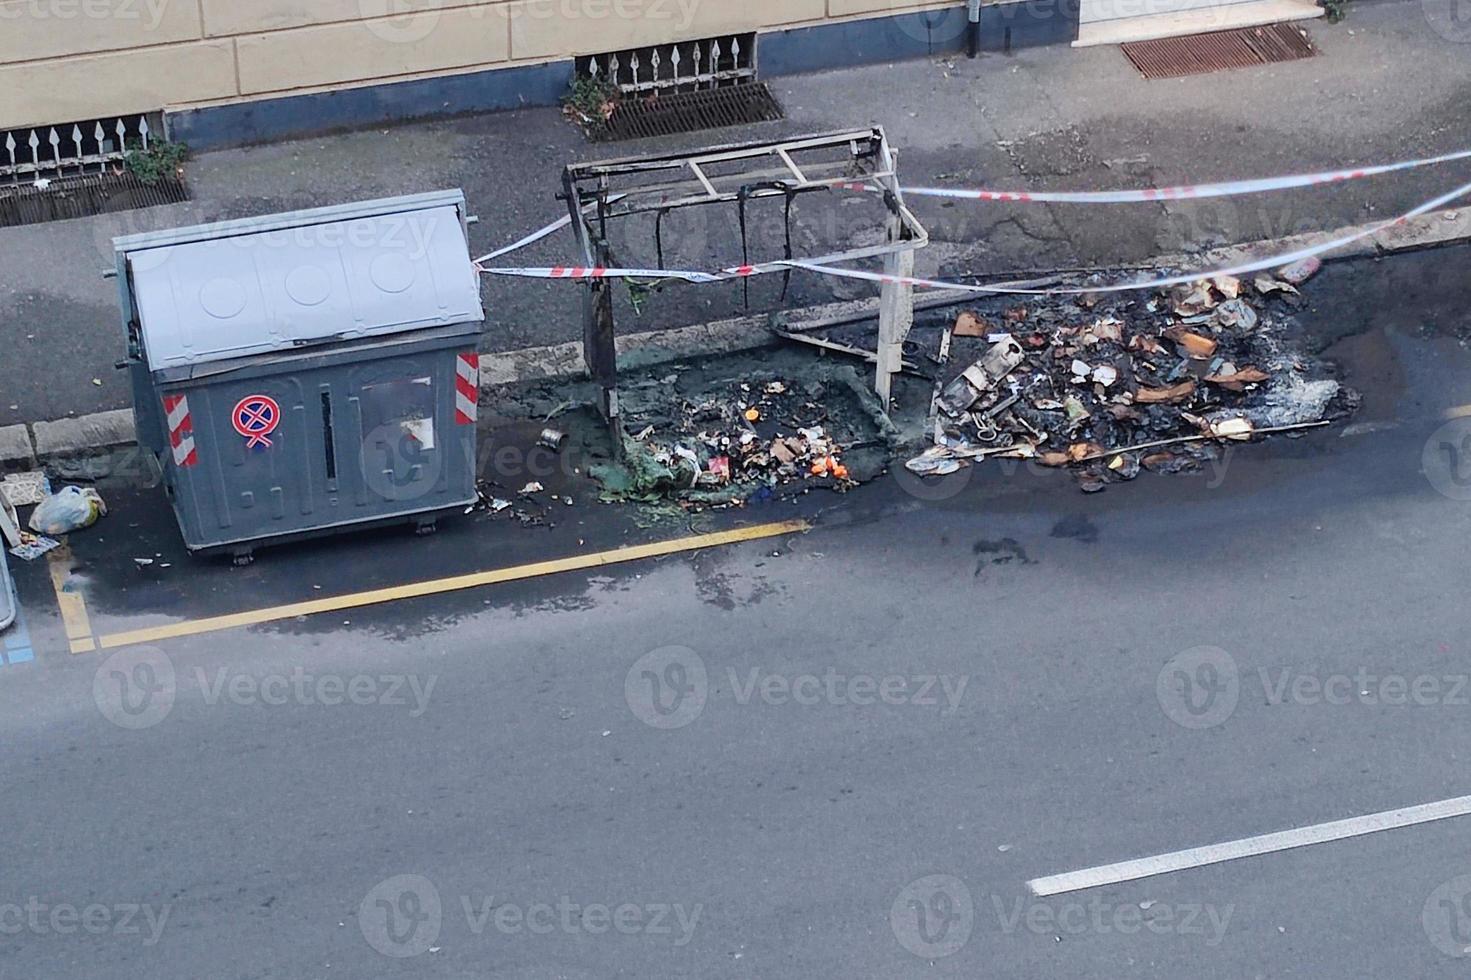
x=33, y=546
x=981, y=376
x=1300, y=272
x=1227, y=286
x=829, y=466
x=1191, y=344
x=1266, y=285
x=530, y=488
x=142, y=562
x=1125, y=466
x=25, y=489
x=1172, y=395
x=1236, y=379
x=1192, y=300
x=70, y=509
x=935, y=461
x=497, y=504
x=721, y=442
x=1237, y=428
x=968, y=324
x=1236, y=313
x=552, y=439
x=1105, y=329
x=1102, y=387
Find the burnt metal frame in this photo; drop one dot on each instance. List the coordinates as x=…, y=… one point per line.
x=684, y=180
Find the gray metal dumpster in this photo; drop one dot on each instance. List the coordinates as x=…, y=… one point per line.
x=7, y=593
x=10, y=526
x=307, y=372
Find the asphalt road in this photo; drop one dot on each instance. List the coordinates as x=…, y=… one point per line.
x=838, y=753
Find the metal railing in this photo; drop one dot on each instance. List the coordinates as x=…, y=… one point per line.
x=683, y=66
x=40, y=153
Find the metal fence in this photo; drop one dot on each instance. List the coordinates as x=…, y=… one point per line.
x=685, y=66
x=41, y=153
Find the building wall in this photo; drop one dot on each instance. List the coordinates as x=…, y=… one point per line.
x=63, y=60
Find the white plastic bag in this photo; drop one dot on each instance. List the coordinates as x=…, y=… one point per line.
x=67, y=510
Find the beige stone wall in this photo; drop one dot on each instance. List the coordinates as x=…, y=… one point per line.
x=75, y=59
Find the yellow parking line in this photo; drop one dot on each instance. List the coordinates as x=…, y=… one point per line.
x=73, y=607
x=453, y=584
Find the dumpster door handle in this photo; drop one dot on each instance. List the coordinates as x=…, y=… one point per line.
x=329, y=441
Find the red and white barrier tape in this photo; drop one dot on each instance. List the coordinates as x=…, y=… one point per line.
x=1229, y=188
x=536, y=236
x=581, y=272
x=819, y=265
x=1256, y=265
x=530, y=239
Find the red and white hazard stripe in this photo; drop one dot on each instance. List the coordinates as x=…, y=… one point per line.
x=581, y=272
x=467, y=389
x=181, y=429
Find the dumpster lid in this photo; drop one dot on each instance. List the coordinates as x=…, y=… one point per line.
x=229, y=290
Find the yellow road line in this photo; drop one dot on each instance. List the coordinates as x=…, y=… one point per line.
x=73, y=607
x=453, y=584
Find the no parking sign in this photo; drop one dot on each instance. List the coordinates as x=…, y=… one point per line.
x=256, y=417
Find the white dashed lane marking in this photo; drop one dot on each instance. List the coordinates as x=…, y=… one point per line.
x=1284, y=840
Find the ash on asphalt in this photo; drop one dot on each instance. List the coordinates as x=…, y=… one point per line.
x=733, y=431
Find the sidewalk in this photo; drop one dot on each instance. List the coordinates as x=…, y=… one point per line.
x=1386, y=87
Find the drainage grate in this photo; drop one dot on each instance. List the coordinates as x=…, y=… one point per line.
x=664, y=114
x=82, y=197
x=1200, y=54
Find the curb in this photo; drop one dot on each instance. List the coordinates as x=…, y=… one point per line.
x=22, y=445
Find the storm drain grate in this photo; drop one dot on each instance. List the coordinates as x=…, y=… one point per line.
x=1200, y=54
x=668, y=113
x=85, y=196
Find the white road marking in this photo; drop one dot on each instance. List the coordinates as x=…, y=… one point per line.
x=1284, y=840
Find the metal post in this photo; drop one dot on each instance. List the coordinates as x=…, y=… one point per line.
x=599, y=348
x=896, y=300
x=896, y=317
